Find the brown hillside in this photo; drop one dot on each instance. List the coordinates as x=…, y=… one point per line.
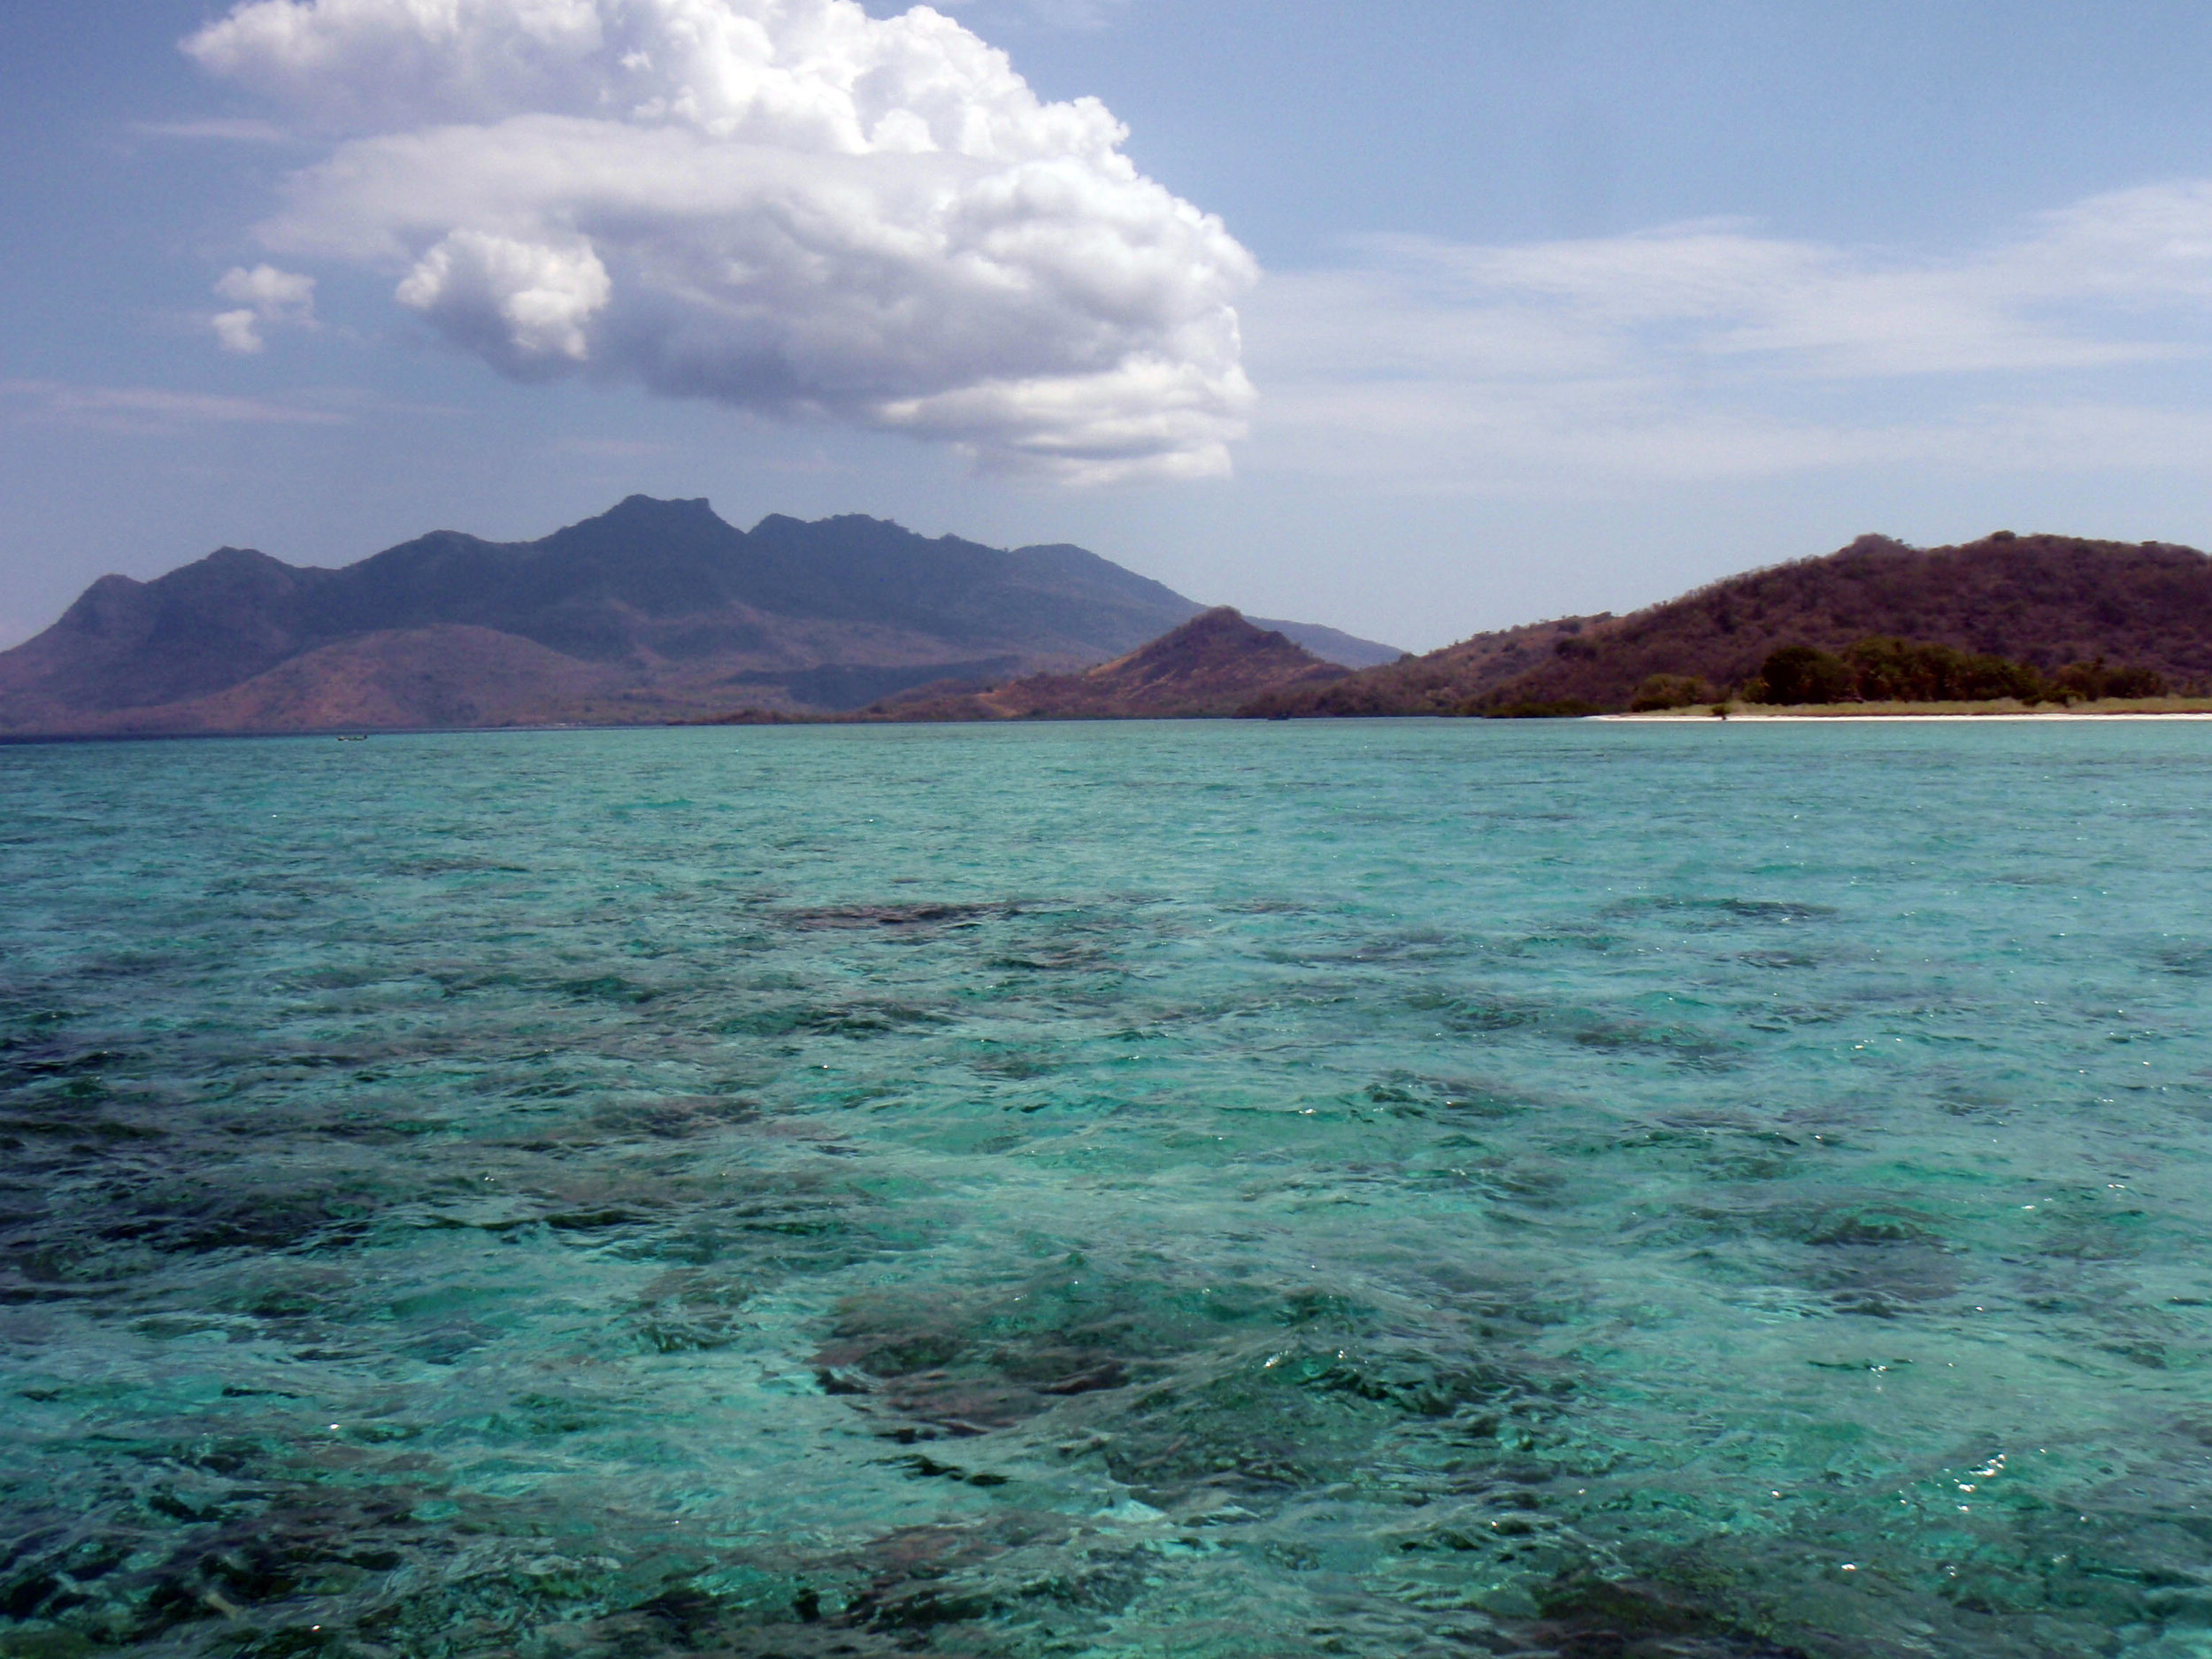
x=2045, y=600
x=1441, y=682
x=1215, y=664
x=435, y=676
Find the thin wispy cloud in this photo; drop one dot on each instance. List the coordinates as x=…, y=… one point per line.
x=215, y=129
x=1065, y=15
x=146, y=410
x=609, y=449
x=1708, y=350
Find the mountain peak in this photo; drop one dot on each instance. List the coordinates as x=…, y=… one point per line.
x=782, y=524
x=1214, y=663
x=653, y=509
x=1210, y=645
x=1221, y=628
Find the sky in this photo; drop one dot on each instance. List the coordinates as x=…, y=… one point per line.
x=1416, y=320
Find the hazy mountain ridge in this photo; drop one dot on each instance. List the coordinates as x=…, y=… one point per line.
x=2045, y=600
x=654, y=609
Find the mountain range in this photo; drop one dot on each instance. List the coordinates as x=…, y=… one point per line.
x=654, y=610
x=659, y=610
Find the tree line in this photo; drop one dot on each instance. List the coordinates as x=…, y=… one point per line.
x=1881, y=669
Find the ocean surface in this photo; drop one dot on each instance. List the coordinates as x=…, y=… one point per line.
x=1374, y=1189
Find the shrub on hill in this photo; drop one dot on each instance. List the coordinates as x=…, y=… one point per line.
x=1887, y=670
x=1669, y=691
x=1904, y=670
x=2089, y=681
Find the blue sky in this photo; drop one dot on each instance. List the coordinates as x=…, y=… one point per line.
x=1414, y=320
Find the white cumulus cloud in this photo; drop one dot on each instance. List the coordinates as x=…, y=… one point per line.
x=266, y=298
x=785, y=206
x=519, y=303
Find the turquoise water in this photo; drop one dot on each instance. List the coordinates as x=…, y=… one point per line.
x=1363, y=1188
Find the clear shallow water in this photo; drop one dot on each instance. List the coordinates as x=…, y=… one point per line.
x=1372, y=1188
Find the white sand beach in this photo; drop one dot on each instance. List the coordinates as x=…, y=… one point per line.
x=1706, y=716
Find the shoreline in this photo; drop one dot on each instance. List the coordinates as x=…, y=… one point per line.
x=2013, y=716
x=1666, y=717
